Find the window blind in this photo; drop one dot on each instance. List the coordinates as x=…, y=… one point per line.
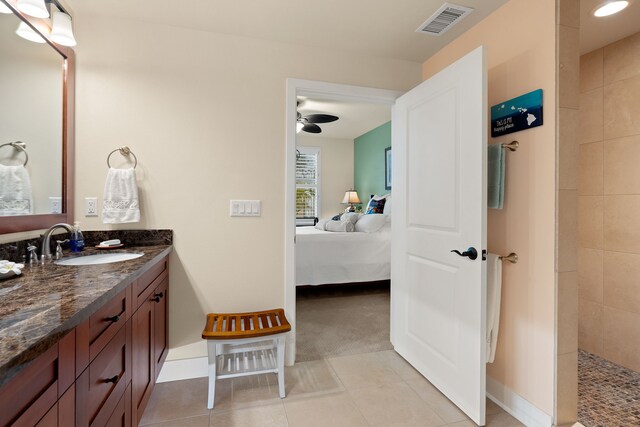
x=307, y=183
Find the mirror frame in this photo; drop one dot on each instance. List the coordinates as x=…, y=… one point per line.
x=16, y=224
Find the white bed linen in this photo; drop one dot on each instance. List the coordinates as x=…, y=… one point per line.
x=324, y=257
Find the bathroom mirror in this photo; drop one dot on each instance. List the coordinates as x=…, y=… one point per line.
x=36, y=127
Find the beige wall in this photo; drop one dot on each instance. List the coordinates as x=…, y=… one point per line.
x=336, y=170
x=609, y=202
x=520, y=42
x=205, y=115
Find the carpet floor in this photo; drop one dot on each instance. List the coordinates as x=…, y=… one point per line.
x=342, y=320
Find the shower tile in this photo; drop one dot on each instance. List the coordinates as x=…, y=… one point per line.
x=608, y=394
x=567, y=312
x=621, y=337
x=621, y=103
x=621, y=160
x=590, y=177
x=591, y=69
x=590, y=221
x=621, y=286
x=567, y=388
x=590, y=327
x=622, y=59
x=590, y=116
x=621, y=231
x=590, y=274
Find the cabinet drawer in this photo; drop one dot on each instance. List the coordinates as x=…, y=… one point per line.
x=103, y=383
x=96, y=332
x=144, y=286
x=161, y=325
x=29, y=397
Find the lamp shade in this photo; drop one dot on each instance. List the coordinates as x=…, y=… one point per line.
x=35, y=8
x=62, y=29
x=27, y=33
x=351, y=196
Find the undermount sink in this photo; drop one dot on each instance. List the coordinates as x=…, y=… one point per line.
x=99, y=258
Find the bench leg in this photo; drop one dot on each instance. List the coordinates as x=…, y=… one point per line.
x=280, y=355
x=212, y=346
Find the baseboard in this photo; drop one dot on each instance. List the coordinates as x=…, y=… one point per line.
x=516, y=405
x=184, y=369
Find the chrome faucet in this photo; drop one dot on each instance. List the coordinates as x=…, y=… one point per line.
x=46, y=239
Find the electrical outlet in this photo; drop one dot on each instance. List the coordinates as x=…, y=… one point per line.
x=90, y=206
x=55, y=205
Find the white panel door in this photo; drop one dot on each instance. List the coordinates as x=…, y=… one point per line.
x=438, y=298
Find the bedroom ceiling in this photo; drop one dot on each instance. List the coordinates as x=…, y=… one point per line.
x=598, y=32
x=373, y=27
x=355, y=119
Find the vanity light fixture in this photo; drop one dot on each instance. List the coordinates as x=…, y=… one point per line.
x=27, y=33
x=35, y=8
x=62, y=29
x=4, y=8
x=609, y=8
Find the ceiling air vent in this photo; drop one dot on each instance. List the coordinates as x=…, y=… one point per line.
x=446, y=17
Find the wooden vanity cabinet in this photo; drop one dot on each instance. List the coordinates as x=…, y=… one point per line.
x=103, y=372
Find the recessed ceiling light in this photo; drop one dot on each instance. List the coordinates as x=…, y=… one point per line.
x=609, y=8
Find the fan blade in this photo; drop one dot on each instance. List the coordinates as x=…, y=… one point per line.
x=311, y=128
x=321, y=118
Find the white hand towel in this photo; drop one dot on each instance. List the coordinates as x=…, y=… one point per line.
x=15, y=191
x=120, y=197
x=494, y=291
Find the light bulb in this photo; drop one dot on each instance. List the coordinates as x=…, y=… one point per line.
x=299, y=127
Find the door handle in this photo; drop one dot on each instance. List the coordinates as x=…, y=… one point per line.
x=470, y=253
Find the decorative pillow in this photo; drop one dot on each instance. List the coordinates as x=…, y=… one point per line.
x=344, y=226
x=337, y=217
x=376, y=206
x=387, y=205
x=370, y=223
x=351, y=217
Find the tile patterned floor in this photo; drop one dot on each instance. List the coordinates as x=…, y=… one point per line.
x=608, y=394
x=371, y=389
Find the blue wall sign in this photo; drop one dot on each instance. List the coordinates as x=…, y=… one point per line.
x=523, y=112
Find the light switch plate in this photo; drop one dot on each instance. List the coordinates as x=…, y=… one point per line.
x=90, y=206
x=245, y=208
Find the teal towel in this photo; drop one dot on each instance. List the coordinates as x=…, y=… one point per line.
x=495, y=175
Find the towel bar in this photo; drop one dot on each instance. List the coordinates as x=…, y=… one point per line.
x=511, y=146
x=512, y=258
x=20, y=146
x=125, y=151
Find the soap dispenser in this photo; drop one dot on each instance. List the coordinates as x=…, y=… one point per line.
x=76, y=244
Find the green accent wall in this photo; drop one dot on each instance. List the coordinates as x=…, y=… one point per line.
x=368, y=159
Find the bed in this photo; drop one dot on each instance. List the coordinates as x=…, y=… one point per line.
x=324, y=257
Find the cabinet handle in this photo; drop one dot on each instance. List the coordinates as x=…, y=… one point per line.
x=113, y=319
x=156, y=297
x=112, y=380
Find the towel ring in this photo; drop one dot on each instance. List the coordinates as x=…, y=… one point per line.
x=125, y=151
x=21, y=146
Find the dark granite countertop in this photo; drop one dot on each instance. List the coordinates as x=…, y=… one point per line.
x=40, y=306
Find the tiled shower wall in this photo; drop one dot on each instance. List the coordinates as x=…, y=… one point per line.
x=609, y=202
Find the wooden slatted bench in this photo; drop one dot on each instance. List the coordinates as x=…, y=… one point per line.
x=255, y=344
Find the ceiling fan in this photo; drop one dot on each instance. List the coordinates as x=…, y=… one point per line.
x=309, y=123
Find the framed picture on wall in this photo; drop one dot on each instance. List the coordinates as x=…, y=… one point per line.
x=387, y=168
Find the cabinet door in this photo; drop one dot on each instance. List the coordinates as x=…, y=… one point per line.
x=160, y=325
x=143, y=358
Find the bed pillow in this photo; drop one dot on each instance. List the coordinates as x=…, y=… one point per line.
x=321, y=224
x=370, y=223
x=351, y=217
x=387, y=205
